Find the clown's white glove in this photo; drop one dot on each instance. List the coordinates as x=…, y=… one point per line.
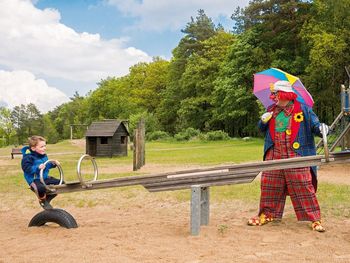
x=266, y=117
x=324, y=128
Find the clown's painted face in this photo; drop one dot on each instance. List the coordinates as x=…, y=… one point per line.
x=276, y=97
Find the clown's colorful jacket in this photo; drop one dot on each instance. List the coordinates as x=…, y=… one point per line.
x=30, y=164
x=304, y=125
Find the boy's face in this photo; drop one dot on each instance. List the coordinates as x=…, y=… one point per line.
x=40, y=147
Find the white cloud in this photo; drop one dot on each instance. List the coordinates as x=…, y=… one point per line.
x=37, y=48
x=173, y=14
x=34, y=40
x=21, y=87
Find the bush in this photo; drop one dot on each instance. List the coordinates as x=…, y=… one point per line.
x=217, y=136
x=2, y=142
x=187, y=134
x=181, y=137
x=157, y=135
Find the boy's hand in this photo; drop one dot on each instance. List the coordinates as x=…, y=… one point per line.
x=42, y=166
x=56, y=162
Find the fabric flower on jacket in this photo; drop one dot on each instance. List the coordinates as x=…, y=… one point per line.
x=299, y=117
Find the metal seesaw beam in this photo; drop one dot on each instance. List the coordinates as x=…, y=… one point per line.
x=220, y=175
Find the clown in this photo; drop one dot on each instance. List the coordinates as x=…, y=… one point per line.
x=289, y=128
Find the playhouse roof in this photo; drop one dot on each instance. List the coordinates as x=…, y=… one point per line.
x=105, y=128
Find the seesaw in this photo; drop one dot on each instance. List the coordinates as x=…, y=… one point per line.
x=198, y=180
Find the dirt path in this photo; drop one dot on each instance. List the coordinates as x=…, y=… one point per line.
x=338, y=174
x=137, y=226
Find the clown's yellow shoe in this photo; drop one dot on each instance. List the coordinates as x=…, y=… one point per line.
x=262, y=219
x=317, y=226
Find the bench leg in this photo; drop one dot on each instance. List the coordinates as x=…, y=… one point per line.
x=199, y=208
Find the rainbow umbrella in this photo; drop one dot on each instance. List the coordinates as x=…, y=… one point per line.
x=264, y=79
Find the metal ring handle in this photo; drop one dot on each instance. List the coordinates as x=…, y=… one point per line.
x=81, y=180
x=41, y=174
x=325, y=143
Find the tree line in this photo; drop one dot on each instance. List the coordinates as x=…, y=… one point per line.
x=207, y=83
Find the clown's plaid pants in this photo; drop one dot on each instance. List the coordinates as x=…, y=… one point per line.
x=297, y=182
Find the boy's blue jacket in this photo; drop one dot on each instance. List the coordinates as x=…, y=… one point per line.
x=30, y=164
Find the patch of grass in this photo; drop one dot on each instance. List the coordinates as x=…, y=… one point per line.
x=247, y=192
x=222, y=229
x=204, y=153
x=334, y=199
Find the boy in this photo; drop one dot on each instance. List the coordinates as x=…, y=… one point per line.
x=34, y=157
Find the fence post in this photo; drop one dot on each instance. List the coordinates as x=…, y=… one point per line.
x=134, y=158
x=142, y=143
x=139, y=146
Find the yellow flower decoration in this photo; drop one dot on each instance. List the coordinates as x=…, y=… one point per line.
x=299, y=117
x=296, y=145
x=288, y=132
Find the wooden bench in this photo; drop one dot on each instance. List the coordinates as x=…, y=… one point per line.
x=15, y=151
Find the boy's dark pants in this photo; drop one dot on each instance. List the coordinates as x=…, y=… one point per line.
x=37, y=187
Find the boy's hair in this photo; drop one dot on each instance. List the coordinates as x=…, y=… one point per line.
x=34, y=140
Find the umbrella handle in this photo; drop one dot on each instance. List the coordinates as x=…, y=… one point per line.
x=325, y=143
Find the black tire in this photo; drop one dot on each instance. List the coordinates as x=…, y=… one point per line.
x=58, y=216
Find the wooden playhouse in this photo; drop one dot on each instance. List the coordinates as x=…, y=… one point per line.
x=107, y=138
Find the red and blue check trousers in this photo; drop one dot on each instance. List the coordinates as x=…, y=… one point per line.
x=297, y=182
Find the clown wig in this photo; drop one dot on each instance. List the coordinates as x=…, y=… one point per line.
x=282, y=95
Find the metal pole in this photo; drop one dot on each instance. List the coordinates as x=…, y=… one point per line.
x=342, y=97
x=205, y=206
x=348, y=73
x=195, y=210
x=325, y=142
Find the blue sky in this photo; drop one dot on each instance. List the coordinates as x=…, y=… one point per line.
x=98, y=17
x=49, y=49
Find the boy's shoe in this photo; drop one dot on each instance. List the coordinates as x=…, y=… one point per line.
x=45, y=204
x=50, y=197
x=316, y=226
x=259, y=221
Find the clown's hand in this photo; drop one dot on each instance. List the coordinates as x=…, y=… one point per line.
x=324, y=128
x=266, y=117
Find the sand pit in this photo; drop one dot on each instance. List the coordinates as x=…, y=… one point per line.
x=137, y=226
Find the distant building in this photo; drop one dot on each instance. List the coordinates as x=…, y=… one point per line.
x=107, y=138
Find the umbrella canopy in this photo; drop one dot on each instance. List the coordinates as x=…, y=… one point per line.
x=264, y=79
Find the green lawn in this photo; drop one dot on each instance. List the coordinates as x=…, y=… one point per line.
x=334, y=199
x=204, y=153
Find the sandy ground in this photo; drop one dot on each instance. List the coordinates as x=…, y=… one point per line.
x=137, y=226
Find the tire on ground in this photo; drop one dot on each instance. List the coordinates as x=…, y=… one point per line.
x=58, y=216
